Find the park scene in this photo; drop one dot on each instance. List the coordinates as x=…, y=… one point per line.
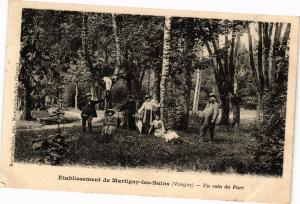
x=161, y=92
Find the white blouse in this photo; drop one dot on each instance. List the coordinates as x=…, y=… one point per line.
x=148, y=106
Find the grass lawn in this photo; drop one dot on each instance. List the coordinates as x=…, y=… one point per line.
x=231, y=152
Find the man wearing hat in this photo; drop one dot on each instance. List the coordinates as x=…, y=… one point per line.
x=209, y=116
x=88, y=111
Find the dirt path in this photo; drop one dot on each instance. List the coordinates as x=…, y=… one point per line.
x=246, y=117
x=33, y=125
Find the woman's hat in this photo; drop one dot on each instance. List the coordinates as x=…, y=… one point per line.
x=109, y=111
x=147, y=96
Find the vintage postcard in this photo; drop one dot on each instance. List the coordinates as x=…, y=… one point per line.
x=149, y=102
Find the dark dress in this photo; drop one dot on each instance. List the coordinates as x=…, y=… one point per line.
x=130, y=109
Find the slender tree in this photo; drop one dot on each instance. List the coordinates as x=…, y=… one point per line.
x=165, y=65
x=118, y=50
x=264, y=75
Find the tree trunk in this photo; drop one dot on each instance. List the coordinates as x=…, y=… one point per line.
x=118, y=50
x=26, y=115
x=236, y=71
x=225, y=108
x=223, y=84
x=157, y=79
x=19, y=101
x=196, y=93
x=232, y=63
x=85, y=49
x=76, y=96
x=189, y=52
x=286, y=37
x=276, y=50
x=267, y=46
x=165, y=66
x=256, y=76
x=140, y=83
x=252, y=63
x=260, y=57
x=226, y=63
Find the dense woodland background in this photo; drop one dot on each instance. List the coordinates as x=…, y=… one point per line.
x=66, y=54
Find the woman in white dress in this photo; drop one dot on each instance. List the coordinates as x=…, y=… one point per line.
x=147, y=117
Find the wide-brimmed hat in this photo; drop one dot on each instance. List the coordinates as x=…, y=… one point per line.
x=109, y=111
x=88, y=95
x=212, y=95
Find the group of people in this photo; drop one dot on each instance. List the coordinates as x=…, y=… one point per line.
x=148, y=116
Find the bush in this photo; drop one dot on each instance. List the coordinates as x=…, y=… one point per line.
x=269, y=132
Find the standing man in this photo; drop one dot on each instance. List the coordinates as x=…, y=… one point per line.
x=88, y=112
x=208, y=117
x=130, y=109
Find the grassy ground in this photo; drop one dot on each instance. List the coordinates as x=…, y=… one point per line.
x=232, y=151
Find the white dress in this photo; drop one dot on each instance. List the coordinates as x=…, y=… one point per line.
x=159, y=128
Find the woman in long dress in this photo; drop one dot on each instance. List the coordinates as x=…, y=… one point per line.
x=148, y=112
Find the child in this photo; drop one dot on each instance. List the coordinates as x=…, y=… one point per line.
x=109, y=126
x=158, y=127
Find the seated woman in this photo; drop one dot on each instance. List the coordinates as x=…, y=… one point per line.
x=109, y=125
x=159, y=131
x=158, y=127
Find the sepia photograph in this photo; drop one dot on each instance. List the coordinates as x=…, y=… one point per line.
x=144, y=91
x=115, y=90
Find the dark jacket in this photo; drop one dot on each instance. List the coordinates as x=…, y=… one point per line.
x=88, y=108
x=130, y=107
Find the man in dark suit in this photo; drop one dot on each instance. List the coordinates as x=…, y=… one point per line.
x=130, y=109
x=88, y=111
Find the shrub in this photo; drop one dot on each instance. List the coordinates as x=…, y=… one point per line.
x=269, y=132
